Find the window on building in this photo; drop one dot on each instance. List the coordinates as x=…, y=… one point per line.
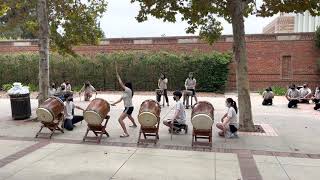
x=286, y=67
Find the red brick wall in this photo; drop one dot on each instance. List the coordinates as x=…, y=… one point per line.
x=264, y=54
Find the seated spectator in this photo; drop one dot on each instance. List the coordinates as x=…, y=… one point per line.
x=267, y=97
x=316, y=98
x=52, y=90
x=305, y=94
x=68, y=86
x=292, y=96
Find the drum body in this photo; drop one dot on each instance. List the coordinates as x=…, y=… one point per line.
x=50, y=109
x=159, y=91
x=187, y=93
x=96, y=111
x=149, y=113
x=202, y=116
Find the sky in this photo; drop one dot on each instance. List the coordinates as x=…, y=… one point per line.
x=119, y=22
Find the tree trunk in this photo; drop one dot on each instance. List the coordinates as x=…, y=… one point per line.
x=240, y=56
x=43, y=50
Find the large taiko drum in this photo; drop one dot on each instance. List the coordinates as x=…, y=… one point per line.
x=149, y=113
x=96, y=111
x=50, y=109
x=202, y=115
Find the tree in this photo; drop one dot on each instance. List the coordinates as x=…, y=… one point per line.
x=62, y=23
x=317, y=37
x=202, y=14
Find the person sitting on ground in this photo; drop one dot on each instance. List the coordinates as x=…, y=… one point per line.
x=267, y=97
x=52, y=90
x=179, y=117
x=229, y=122
x=88, y=89
x=128, y=106
x=316, y=98
x=292, y=96
x=305, y=94
x=70, y=118
x=61, y=91
x=68, y=86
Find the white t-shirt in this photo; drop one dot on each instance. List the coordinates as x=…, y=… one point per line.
x=68, y=87
x=190, y=83
x=267, y=95
x=88, y=89
x=317, y=94
x=182, y=114
x=68, y=107
x=127, y=97
x=233, y=117
x=304, y=91
x=293, y=93
x=52, y=91
x=162, y=83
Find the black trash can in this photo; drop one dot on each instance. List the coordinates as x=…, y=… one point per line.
x=20, y=106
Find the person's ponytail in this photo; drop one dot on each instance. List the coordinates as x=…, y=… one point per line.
x=233, y=104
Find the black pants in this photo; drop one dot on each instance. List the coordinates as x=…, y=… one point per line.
x=68, y=123
x=266, y=102
x=305, y=101
x=233, y=129
x=316, y=101
x=165, y=96
x=293, y=103
x=317, y=106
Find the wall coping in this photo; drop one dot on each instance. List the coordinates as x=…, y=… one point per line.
x=178, y=39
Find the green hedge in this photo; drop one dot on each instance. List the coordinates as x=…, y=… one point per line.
x=141, y=68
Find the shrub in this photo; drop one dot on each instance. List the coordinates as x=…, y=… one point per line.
x=142, y=68
x=278, y=91
x=6, y=87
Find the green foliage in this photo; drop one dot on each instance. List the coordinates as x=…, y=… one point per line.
x=278, y=91
x=71, y=22
x=6, y=87
x=203, y=14
x=141, y=68
x=33, y=87
x=317, y=37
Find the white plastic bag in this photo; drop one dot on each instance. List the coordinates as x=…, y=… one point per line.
x=18, y=89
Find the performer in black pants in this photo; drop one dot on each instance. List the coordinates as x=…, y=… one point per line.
x=163, y=85
x=70, y=119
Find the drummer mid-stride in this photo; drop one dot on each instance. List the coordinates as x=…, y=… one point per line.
x=127, y=100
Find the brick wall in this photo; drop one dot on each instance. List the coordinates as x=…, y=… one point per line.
x=273, y=59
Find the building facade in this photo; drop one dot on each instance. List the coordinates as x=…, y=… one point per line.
x=273, y=59
x=282, y=24
x=305, y=22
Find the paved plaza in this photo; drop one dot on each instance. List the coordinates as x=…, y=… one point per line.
x=289, y=150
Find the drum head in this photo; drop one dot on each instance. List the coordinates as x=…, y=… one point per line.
x=44, y=115
x=92, y=118
x=202, y=121
x=147, y=119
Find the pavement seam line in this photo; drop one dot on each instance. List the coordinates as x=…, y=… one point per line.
x=283, y=168
x=112, y=177
x=49, y=154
